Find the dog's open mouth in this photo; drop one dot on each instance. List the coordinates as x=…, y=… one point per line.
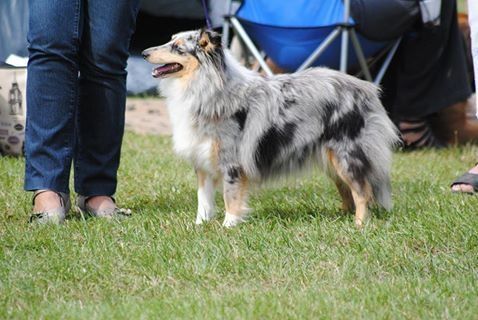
x=166, y=69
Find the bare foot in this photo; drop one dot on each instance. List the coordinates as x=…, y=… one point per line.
x=466, y=187
x=47, y=200
x=101, y=203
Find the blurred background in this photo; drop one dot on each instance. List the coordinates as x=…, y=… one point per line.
x=157, y=21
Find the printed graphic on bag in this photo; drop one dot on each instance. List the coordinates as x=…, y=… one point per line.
x=12, y=110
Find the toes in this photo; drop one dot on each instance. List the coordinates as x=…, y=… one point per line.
x=465, y=188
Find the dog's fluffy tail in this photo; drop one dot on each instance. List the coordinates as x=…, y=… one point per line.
x=382, y=192
x=379, y=140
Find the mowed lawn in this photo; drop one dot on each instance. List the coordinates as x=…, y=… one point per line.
x=299, y=257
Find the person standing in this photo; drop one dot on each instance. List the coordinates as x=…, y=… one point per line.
x=468, y=182
x=76, y=95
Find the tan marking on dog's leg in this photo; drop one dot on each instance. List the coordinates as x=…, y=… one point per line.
x=361, y=193
x=206, y=189
x=342, y=187
x=345, y=194
x=361, y=199
x=235, y=200
x=201, y=175
x=215, y=154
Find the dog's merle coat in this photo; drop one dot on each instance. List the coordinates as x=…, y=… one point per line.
x=265, y=127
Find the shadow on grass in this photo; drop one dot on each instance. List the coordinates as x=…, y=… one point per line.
x=325, y=213
x=283, y=206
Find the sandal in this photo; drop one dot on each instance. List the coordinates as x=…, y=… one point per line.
x=426, y=138
x=54, y=216
x=110, y=213
x=469, y=179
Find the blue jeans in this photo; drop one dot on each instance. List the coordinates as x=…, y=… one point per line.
x=76, y=93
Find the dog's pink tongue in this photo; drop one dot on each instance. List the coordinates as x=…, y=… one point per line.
x=157, y=72
x=165, y=69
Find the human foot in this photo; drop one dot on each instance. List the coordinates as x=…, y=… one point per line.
x=100, y=203
x=467, y=183
x=101, y=206
x=45, y=200
x=50, y=207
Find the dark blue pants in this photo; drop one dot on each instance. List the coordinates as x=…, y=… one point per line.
x=76, y=92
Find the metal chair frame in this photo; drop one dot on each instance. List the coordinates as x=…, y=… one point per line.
x=345, y=30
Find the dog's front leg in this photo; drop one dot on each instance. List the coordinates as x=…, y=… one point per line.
x=206, y=190
x=236, y=193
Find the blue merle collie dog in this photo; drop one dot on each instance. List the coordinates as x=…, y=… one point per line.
x=240, y=128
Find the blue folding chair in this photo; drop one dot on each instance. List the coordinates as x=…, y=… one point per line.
x=303, y=33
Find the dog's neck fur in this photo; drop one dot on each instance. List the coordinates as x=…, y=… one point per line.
x=208, y=90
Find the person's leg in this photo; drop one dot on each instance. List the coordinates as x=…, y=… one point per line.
x=473, y=20
x=109, y=25
x=54, y=32
x=430, y=77
x=432, y=69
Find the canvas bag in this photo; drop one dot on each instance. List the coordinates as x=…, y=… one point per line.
x=12, y=110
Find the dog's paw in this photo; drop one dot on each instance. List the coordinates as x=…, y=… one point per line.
x=359, y=224
x=231, y=220
x=204, y=216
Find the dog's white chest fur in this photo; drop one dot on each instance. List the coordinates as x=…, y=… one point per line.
x=189, y=143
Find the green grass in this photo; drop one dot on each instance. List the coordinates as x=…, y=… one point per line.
x=299, y=257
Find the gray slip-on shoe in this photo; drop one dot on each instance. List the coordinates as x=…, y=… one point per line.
x=110, y=213
x=53, y=216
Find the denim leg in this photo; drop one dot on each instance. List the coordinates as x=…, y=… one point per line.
x=109, y=25
x=54, y=32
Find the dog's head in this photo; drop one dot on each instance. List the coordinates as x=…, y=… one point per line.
x=185, y=53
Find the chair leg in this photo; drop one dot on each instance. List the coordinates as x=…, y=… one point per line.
x=320, y=49
x=360, y=55
x=387, y=62
x=344, y=51
x=250, y=45
x=226, y=24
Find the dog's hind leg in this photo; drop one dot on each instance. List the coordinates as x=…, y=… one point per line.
x=345, y=194
x=236, y=192
x=206, y=189
x=361, y=191
x=362, y=196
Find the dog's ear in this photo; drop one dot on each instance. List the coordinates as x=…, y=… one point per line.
x=209, y=40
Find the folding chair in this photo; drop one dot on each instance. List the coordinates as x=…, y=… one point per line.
x=303, y=33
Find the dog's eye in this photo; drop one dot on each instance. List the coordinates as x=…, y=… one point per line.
x=177, y=49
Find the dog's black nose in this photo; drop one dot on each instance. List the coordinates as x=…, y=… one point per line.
x=145, y=54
